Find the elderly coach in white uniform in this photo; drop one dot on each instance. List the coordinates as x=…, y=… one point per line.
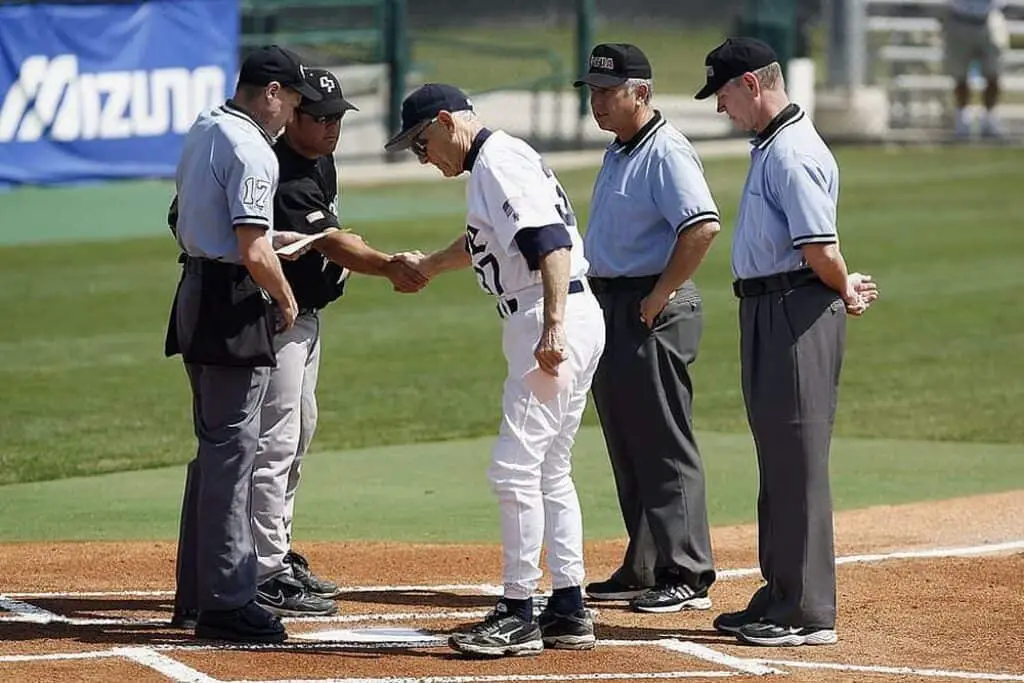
x=222, y=325
x=522, y=242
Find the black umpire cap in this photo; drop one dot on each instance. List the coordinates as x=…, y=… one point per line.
x=421, y=106
x=612, y=64
x=734, y=57
x=273, y=63
x=332, y=102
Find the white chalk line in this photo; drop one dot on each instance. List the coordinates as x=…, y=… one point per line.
x=515, y=678
x=172, y=668
x=19, y=618
x=895, y=670
x=491, y=589
x=707, y=654
x=25, y=611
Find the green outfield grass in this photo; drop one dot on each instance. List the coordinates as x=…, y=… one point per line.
x=468, y=58
x=438, y=491
x=86, y=390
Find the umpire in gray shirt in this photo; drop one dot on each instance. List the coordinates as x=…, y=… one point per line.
x=794, y=293
x=222, y=323
x=652, y=220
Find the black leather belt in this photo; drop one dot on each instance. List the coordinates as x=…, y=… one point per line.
x=308, y=310
x=510, y=305
x=756, y=286
x=644, y=284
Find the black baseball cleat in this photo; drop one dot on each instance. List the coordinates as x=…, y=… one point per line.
x=732, y=622
x=314, y=585
x=770, y=634
x=286, y=597
x=247, y=624
x=613, y=590
x=500, y=634
x=184, y=618
x=672, y=598
x=567, y=631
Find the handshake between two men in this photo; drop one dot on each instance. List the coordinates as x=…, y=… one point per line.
x=349, y=250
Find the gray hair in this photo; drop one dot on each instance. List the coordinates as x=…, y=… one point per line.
x=634, y=83
x=770, y=77
x=465, y=115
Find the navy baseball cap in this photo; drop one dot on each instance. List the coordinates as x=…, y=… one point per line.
x=734, y=57
x=332, y=101
x=273, y=63
x=421, y=106
x=612, y=64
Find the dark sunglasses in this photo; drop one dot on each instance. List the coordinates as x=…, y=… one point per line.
x=327, y=118
x=419, y=143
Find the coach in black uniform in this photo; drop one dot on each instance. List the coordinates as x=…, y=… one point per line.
x=306, y=202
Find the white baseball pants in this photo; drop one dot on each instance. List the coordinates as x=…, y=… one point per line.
x=531, y=470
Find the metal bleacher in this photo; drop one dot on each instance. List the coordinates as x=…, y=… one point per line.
x=905, y=48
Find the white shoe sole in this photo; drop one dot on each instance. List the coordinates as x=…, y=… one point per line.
x=534, y=647
x=571, y=642
x=823, y=637
x=620, y=596
x=692, y=604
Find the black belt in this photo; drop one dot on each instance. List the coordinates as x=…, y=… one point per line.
x=644, y=284
x=308, y=310
x=756, y=286
x=509, y=306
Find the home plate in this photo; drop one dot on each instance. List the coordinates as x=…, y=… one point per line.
x=411, y=636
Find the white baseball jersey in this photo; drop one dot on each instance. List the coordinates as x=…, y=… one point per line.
x=511, y=189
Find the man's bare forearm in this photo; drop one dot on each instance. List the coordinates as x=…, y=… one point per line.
x=452, y=257
x=554, y=273
x=349, y=250
x=259, y=259
x=692, y=246
x=828, y=264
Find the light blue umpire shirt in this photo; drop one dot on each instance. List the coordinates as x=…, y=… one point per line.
x=789, y=198
x=227, y=176
x=649, y=190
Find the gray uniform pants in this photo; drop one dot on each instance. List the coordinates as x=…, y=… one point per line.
x=216, y=553
x=791, y=353
x=643, y=395
x=287, y=422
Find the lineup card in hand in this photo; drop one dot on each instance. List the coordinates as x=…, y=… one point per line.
x=294, y=247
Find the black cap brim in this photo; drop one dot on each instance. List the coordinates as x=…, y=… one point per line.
x=306, y=90
x=600, y=81
x=708, y=90
x=404, y=139
x=329, y=107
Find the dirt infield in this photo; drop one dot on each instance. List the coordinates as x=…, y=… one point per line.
x=927, y=591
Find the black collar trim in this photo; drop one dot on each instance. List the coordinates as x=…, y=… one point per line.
x=233, y=109
x=785, y=118
x=474, y=149
x=642, y=135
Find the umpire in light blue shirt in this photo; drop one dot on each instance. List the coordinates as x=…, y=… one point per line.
x=231, y=295
x=795, y=294
x=652, y=220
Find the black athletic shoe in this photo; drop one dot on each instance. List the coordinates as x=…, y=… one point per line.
x=672, y=598
x=567, y=631
x=314, y=585
x=732, y=622
x=247, y=624
x=770, y=634
x=286, y=597
x=613, y=590
x=185, y=619
x=500, y=634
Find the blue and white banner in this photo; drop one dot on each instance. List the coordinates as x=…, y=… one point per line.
x=94, y=91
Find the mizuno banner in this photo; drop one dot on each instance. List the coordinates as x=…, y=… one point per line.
x=96, y=91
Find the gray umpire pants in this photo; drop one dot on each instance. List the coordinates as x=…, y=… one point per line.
x=792, y=347
x=643, y=396
x=216, y=563
x=287, y=422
